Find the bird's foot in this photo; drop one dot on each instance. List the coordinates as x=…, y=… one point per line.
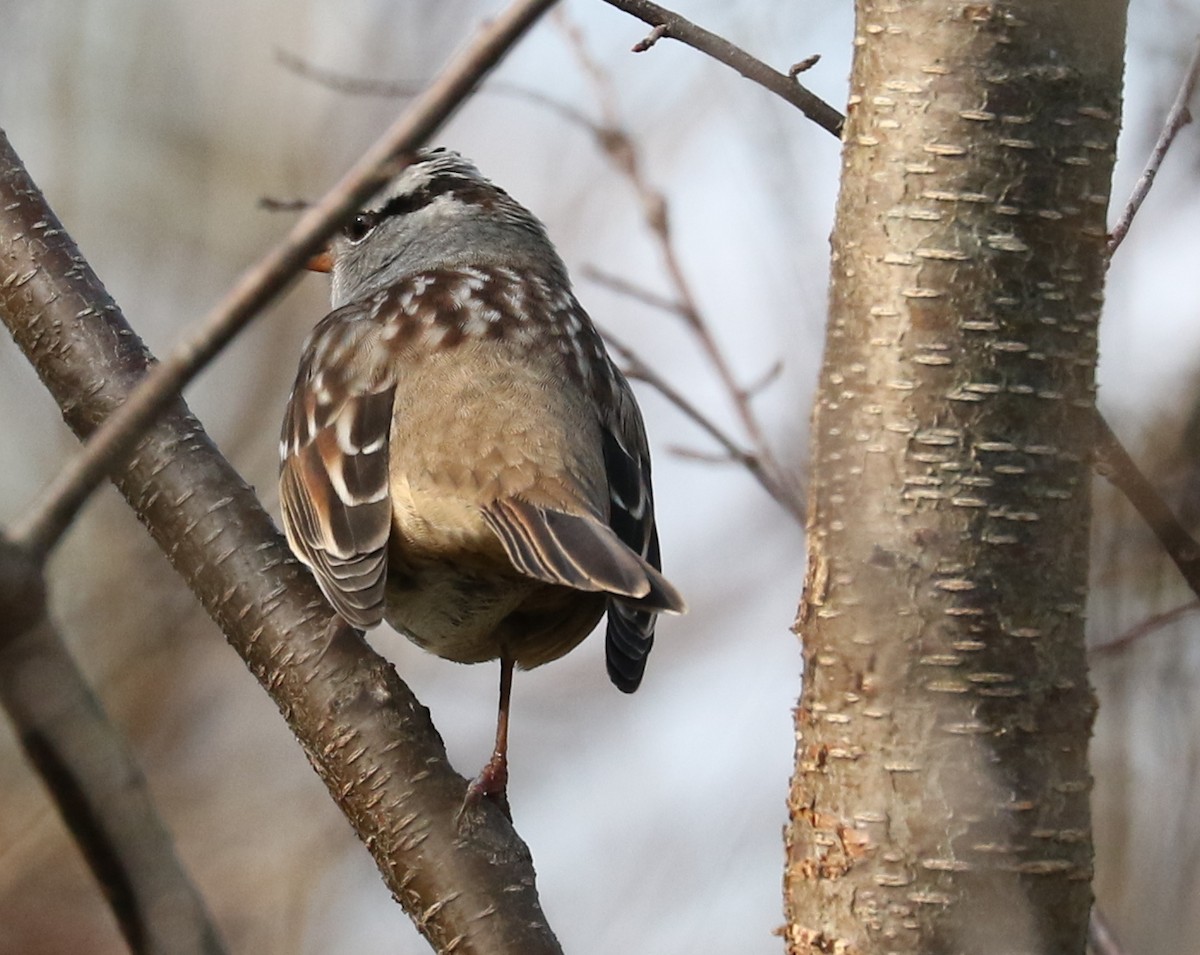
x=337, y=629
x=491, y=783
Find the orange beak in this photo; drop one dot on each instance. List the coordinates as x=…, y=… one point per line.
x=321, y=262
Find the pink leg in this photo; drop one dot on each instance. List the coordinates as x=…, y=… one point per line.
x=492, y=780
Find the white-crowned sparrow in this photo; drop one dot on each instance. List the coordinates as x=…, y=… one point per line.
x=460, y=457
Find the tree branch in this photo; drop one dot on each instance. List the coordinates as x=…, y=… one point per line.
x=362, y=729
x=468, y=886
x=668, y=24
x=92, y=775
x=1115, y=463
x=1101, y=938
x=48, y=521
x=1177, y=117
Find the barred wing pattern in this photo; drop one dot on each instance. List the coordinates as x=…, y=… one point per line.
x=334, y=450
x=334, y=479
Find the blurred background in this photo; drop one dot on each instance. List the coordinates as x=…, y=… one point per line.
x=654, y=820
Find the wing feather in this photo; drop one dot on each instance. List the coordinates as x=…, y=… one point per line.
x=571, y=550
x=333, y=480
x=630, y=633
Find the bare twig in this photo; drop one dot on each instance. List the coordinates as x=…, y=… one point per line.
x=271, y=204
x=91, y=774
x=1143, y=629
x=639, y=370
x=651, y=38
x=621, y=151
x=344, y=83
x=672, y=25
x=623, y=286
x=765, y=380
x=1115, y=463
x=803, y=66
x=704, y=457
x=1177, y=117
x=349, y=85
x=49, y=519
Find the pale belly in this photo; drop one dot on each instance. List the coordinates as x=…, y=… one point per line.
x=471, y=617
x=470, y=427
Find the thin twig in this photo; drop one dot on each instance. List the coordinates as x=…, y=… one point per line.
x=704, y=457
x=1178, y=117
x=1115, y=463
x=639, y=370
x=650, y=39
x=676, y=27
x=621, y=151
x=52, y=515
x=803, y=66
x=272, y=204
x=1143, y=629
x=348, y=85
x=765, y=380
x=343, y=82
x=622, y=286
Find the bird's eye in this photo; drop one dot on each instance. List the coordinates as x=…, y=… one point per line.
x=359, y=227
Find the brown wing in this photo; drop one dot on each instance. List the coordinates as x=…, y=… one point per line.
x=333, y=482
x=576, y=550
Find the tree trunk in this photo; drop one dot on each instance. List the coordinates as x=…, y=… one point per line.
x=940, y=798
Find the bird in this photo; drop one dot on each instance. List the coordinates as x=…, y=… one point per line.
x=460, y=456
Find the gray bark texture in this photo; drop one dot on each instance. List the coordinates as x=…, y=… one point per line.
x=940, y=799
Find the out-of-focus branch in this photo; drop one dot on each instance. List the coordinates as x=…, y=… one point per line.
x=1115, y=463
x=46, y=523
x=669, y=24
x=623, y=286
x=344, y=83
x=622, y=152
x=1143, y=629
x=1101, y=938
x=92, y=776
x=638, y=369
x=1177, y=117
x=367, y=736
x=787, y=495
x=348, y=85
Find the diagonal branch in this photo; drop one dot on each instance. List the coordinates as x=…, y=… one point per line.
x=669, y=24
x=639, y=370
x=48, y=521
x=1101, y=938
x=362, y=729
x=1117, y=465
x=1148, y=626
x=1178, y=116
x=469, y=887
